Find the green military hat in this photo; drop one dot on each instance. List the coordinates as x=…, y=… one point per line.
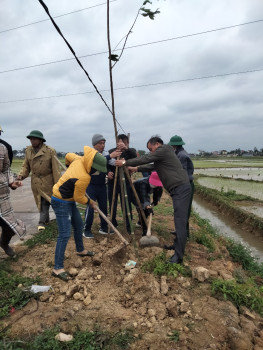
x=176, y=141
x=100, y=163
x=37, y=134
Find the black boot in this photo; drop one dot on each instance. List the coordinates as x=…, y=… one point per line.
x=8, y=250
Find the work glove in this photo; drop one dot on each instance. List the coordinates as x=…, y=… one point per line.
x=148, y=211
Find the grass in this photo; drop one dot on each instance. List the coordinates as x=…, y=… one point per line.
x=159, y=267
x=206, y=234
x=82, y=340
x=12, y=297
x=48, y=235
x=245, y=294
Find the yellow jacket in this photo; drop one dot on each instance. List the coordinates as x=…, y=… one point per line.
x=73, y=183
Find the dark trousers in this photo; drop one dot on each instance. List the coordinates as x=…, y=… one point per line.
x=7, y=232
x=118, y=192
x=44, y=211
x=181, y=198
x=190, y=206
x=97, y=193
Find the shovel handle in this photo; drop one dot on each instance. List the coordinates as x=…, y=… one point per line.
x=148, y=234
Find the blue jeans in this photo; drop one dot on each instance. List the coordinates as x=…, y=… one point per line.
x=67, y=214
x=97, y=193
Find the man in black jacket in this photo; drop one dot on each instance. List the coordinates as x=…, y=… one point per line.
x=174, y=179
x=127, y=153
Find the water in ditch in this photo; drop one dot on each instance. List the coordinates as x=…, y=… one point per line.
x=226, y=227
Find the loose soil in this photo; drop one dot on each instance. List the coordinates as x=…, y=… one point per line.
x=104, y=292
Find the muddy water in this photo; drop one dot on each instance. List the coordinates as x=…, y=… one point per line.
x=227, y=228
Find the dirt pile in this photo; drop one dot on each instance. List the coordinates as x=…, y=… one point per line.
x=106, y=292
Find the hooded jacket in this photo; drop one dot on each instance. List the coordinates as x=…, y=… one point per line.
x=73, y=183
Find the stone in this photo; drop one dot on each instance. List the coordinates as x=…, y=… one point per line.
x=73, y=271
x=184, y=307
x=78, y=262
x=78, y=296
x=87, y=300
x=71, y=290
x=63, y=337
x=237, y=340
x=164, y=286
x=151, y=312
x=200, y=273
x=227, y=276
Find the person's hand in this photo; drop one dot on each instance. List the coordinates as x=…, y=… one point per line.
x=93, y=205
x=121, y=146
x=132, y=169
x=120, y=162
x=14, y=185
x=116, y=153
x=19, y=178
x=110, y=175
x=148, y=211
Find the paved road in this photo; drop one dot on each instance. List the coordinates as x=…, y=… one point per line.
x=25, y=208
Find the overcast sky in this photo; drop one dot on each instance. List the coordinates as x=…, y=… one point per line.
x=224, y=112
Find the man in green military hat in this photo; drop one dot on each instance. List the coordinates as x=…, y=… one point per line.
x=40, y=161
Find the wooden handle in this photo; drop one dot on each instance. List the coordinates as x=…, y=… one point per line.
x=149, y=225
x=111, y=225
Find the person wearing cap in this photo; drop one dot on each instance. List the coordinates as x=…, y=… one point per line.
x=69, y=189
x=9, y=147
x=177, y=143
x=40, y=160
x=144, y=187
x=97, y=189
x=164, y=161
x=126, y=153
x=9, y=224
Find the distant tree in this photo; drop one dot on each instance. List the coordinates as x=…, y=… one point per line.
x=141, y=152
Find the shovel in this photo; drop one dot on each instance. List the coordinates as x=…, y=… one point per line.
x=148, y=240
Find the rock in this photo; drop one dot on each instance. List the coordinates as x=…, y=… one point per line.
x=61, y=299
x=78, y=296
x=63, y=289
x=237, y=340
x=184, y=307
x=153, y=319
x=128, y=278
x=213, y=273
x=98, y=277
x=97, y=260
x=87, y=300
x=63, y=337
x=78, y=262
x=151, y=312
x=73, y=271
x=247, y=313
x=164, y=287
x=171, y=307
x=85, y=274
x=200, y=273
x=44, y=297
x=227, y=276
x=72, y=290
x=135, y=324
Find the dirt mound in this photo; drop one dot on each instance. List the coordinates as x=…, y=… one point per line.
x=104, y=291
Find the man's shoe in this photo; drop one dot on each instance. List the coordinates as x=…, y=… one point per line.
x=8, y=250
x=175, y=259
x=87, y=234
x=41, y=227
x=168, y=247
x=105, y=232
x=173, y=233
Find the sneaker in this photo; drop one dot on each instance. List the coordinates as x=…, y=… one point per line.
x=87, y=234
x=41, y=227
x=8, y=250
x=173, y=233
x=105, y=232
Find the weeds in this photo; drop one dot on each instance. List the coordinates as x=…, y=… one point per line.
x=175, y=336
x=82, y=340
x=12, y=297
x=48, y=235
x=206, y=234
x=246, y=294
x=242, y=255
x=158, y=266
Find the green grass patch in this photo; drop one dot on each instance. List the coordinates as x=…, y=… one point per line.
x=48, y=235
x=247, y=294
x=242, y=255
x=159, y=267
x=82, y=340
x=175, y=336
x=206, y=234
x=10, y=295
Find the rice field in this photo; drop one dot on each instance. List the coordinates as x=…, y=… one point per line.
x=249, y=188
x=255, y=174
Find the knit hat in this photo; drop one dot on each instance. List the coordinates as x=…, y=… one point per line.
x=100, y=163
x=97, y=138
x=37, y=134
x=155, y=180
x=176, y=141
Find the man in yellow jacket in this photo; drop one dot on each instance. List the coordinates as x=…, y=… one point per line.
x=40, y=161
x=71, y=188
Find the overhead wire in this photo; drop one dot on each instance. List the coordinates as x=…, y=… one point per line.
x=136, y=86
x=133, y=46
x=47, y=19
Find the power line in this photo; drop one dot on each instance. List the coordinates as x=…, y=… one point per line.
x=45, y=20
x=134, y=46
x=136, y=86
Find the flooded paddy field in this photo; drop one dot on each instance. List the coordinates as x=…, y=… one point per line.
x=248, y=173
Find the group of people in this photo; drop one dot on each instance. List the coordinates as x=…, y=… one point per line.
x=90, y=179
